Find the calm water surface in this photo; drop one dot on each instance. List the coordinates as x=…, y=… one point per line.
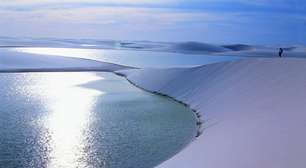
x=94, y=120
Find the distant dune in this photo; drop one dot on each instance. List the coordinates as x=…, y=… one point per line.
x=241, y=50
x=197, y=47
x=238, y=47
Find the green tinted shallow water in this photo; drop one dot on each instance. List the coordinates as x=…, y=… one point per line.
x=94, y=120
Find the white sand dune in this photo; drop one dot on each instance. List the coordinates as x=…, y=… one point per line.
x=254, y=111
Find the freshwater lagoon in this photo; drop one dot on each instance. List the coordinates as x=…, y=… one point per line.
x=70, y=120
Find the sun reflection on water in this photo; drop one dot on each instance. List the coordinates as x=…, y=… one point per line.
x=69, y=118
x=83, y=120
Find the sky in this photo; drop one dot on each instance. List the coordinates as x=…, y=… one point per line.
x=213, y=21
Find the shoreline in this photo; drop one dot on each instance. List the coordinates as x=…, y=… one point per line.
x=198, y=116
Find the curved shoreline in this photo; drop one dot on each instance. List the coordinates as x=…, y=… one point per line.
x=197, y=114
x=41, y=70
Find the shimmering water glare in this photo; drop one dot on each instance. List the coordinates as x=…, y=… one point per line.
x=87, y=120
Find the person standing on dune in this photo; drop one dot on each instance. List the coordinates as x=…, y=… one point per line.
x=280, y=53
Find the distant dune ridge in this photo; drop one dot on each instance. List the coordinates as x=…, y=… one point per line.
x=238, y=47
x=242, y=50
x=197, y=47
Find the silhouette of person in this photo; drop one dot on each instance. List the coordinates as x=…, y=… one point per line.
x=280, y=53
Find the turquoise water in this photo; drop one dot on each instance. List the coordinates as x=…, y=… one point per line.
x=142, y=59
x=94, y=120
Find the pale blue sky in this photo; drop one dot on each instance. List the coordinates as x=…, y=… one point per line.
x=214, y=21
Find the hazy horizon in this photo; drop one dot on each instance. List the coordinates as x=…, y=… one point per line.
x=222, y=21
